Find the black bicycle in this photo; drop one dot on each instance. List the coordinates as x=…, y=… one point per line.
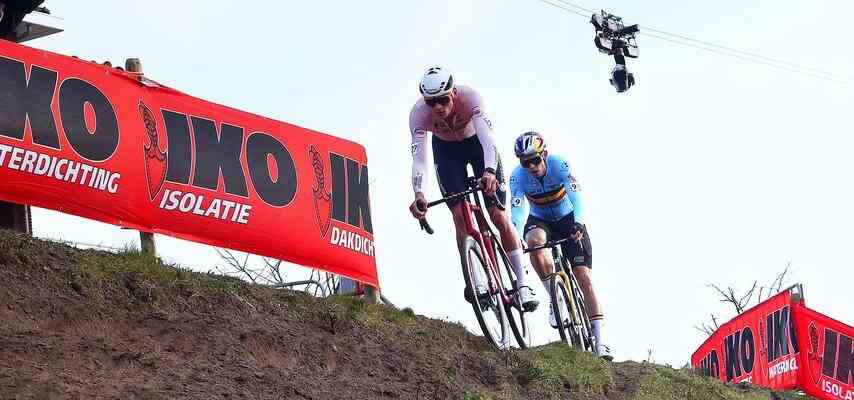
x=573, y=323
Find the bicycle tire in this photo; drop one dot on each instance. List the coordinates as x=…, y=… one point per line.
x=517, y=317
x=584, y=327
x=562, y=291
x=471, y=254
x=578, y=329
x=561, y=304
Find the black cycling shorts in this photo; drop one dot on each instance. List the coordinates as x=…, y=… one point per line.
x=451, y=159
x=578, y=254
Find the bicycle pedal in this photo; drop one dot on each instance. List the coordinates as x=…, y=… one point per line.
x=485, y=301
x=468, y=294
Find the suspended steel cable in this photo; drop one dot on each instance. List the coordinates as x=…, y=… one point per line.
x=579, y=13
x=745, y=53
x=573, y=5
x=748, y=59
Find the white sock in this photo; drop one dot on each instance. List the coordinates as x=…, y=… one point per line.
x=518, y=267
x=546, y=287
x=596, y=324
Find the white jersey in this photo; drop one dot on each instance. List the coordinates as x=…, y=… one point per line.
x=466, y=119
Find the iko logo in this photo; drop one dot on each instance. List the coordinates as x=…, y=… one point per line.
x=740, y=354
x=831, y=362
x=88, y=119
x=780, y=340
x=348, y=200
x=838, y=358
x=216, y=150
x=710, y=366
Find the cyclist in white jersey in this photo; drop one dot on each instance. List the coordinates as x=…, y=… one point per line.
x=461, y=136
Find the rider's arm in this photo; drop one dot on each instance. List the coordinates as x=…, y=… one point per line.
x=518, y=205
x=483, y=130
x=420, y=172
x=573, y=191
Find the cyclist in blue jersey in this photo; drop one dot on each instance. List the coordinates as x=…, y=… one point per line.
x=546, y=181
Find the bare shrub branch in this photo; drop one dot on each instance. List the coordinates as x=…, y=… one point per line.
x=741, y=302
x=270, y=271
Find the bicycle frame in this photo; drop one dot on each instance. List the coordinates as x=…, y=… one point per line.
x=482, y=233
x=493, y=263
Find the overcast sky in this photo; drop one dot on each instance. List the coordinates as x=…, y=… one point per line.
x=710, y=170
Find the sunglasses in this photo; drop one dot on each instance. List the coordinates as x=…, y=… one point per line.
x=432, y=101
x=531, y=162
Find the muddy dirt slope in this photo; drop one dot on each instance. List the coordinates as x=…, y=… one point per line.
x=85, y=324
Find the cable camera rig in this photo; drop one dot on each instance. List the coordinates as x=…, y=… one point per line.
x=616, y=39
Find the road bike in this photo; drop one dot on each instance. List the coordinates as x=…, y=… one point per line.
x=490, y=280
x=567, y=299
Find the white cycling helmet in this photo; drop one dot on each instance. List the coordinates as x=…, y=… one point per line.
x=436, y=82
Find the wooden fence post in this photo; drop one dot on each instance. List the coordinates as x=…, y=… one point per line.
x=372, y=294
x=146, y=239
x=351, y=287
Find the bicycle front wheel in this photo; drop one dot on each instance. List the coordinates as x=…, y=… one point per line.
x=484, y=295
x=562, y=307
x=582, y=320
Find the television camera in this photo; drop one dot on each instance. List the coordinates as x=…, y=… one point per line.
x=618, y=40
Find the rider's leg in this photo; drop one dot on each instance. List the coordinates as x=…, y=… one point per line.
x=460, y=216
x=584, y=275
x=451, y=176
x=501, y=220
x=510, y=242
x=540, y=259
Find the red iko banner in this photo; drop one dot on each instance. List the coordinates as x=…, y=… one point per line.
x=759, y=346
x=827, y=354
x=782, y=344
x=100, y=143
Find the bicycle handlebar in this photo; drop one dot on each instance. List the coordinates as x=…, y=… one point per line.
x=474, y=187
x=549, y=244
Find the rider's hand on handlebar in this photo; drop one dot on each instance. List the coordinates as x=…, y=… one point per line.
x=418, y=208
x=489, y=183
x=577, y=231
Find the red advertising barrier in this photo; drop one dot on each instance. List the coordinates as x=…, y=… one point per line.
x=827, y=354
x=782, y=344
x=100, y=143
x=758, y=346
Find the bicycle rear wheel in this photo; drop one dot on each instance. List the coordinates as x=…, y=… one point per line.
x=486, y=299
x=517, y=317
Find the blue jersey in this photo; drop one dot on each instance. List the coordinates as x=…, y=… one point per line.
x=552, y=196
